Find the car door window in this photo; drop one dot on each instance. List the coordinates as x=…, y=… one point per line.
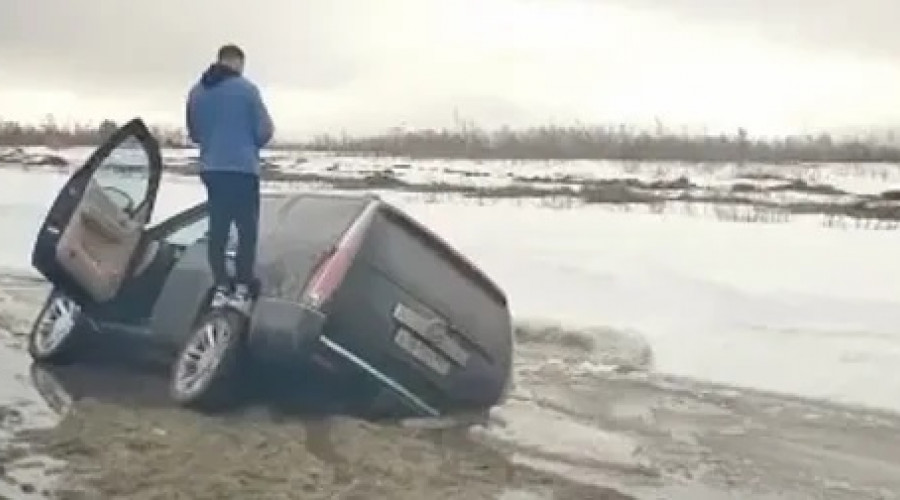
x=188, y=234
x=124, y=176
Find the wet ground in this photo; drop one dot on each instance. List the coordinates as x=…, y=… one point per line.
x=112, y=433
x=588, y=420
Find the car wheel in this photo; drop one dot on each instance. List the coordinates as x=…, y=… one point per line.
x=205, y=372
x=57, y=330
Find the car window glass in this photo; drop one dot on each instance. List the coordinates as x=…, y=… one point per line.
x=190, y=233
x=187, y=235
x=124, y=175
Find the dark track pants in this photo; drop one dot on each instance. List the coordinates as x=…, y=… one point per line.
x=233, y=198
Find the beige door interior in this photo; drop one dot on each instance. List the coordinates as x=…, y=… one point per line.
x=97, y=245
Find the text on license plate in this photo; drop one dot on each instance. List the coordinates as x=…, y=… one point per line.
x=421, y=351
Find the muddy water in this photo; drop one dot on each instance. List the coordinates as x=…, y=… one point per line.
x=24, y=471
x=592, y=409
x=588, y=419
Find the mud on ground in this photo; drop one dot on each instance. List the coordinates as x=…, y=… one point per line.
x=588, y=420
x=764, y=200
x=120, y=452
x=118, y=437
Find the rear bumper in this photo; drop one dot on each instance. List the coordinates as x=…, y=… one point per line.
x=283, y=331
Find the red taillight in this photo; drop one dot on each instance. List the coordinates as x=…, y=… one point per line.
x=331, y=271
x=327, y=277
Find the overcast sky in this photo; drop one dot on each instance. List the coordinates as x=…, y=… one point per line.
x=774, y=66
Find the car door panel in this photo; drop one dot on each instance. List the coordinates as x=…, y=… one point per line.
x=91, y=238
x=97, y=244
x=102, y=216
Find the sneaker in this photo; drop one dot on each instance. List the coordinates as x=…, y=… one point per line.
x=220, y=297
x=241, y=300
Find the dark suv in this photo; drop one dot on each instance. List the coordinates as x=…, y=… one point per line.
x=348, y=284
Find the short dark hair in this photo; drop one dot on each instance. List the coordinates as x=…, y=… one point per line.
x=230, y=51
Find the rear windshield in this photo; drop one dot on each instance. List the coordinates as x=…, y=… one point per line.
x=411, y=228
x=311, y=222
x=295, y=233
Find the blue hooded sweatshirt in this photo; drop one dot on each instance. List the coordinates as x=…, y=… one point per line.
x=228, y=119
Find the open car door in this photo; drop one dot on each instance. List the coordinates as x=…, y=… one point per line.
x=91, y=237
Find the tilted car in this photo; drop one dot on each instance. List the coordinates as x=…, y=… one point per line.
x=350, y=285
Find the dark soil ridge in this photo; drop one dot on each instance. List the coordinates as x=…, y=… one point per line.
x=621, y=191
x=630, y=191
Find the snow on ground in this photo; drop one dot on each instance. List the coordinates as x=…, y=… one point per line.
x=791, y=307
x=871, y=178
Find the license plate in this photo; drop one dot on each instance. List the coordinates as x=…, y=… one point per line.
x=419, y=350
x=434, y=331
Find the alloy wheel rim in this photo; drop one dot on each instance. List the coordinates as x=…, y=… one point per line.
x=202, y=355
x=56, y=324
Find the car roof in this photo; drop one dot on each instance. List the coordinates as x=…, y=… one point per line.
x=277, y=197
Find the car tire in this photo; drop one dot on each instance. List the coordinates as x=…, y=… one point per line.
x=58, y=331
x=205, y=375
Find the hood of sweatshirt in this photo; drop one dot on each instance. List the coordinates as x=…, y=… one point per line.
x=216, y=74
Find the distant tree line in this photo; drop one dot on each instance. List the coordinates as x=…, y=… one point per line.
x=549, y=142
x=52, y=134
x=570, y=143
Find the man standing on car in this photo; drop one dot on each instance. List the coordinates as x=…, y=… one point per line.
x=228, y=119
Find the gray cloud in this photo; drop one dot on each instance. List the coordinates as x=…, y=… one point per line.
x=318, y=45
x=167, y=42
x=365, y=63
x=865, y=27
